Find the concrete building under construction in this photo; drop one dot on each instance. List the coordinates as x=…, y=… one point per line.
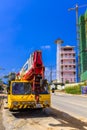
x=83, y=46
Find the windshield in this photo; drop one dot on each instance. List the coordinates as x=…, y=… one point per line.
x=21, y=88
x=44, y=89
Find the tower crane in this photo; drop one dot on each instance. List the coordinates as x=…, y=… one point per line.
x=77, y=35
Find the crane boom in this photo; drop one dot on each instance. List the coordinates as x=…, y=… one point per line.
x=33, y=66
x=76, y=7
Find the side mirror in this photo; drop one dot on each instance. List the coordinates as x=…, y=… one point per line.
x=8, y=90
x=8, y=93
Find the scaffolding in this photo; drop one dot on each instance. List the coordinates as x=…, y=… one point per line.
x=83, y=46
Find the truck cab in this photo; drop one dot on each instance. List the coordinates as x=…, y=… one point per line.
x=21, y=95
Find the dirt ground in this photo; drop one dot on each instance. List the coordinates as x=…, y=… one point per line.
x=1, y=107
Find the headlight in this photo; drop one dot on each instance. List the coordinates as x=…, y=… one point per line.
x=15, y=103
x=23, y=103
x=46, y=102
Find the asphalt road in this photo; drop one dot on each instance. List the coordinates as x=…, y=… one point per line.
x=71, y=104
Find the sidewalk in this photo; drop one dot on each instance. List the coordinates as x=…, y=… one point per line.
x=63, y=93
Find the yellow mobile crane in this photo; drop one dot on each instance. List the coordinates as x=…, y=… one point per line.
x=29, y=89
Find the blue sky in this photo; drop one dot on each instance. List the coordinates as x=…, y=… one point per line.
x=28, y=25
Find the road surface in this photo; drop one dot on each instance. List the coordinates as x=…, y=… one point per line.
x=71, y=104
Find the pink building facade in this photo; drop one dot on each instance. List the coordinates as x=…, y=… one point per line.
x=67, y=64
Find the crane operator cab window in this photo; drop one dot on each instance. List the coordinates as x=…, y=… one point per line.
x=21, y=88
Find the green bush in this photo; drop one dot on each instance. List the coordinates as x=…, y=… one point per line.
x=73, y=90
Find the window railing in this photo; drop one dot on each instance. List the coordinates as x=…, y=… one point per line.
x=68, y=69
x=69, y=52
x=68, y=63
x=67, y=57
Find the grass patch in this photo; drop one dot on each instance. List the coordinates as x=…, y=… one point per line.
x=73, y=89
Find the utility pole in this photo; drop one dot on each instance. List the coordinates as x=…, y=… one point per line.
x=50, y=74
x=77, y=35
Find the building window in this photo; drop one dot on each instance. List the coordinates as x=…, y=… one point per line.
x=65, y=55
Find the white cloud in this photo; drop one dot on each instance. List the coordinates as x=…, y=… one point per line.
x=46, y=47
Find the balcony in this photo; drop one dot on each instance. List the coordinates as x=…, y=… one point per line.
x=73, y=77
x=67, y=63
x=67, y=57
x=68, y=70
x=67, y=52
